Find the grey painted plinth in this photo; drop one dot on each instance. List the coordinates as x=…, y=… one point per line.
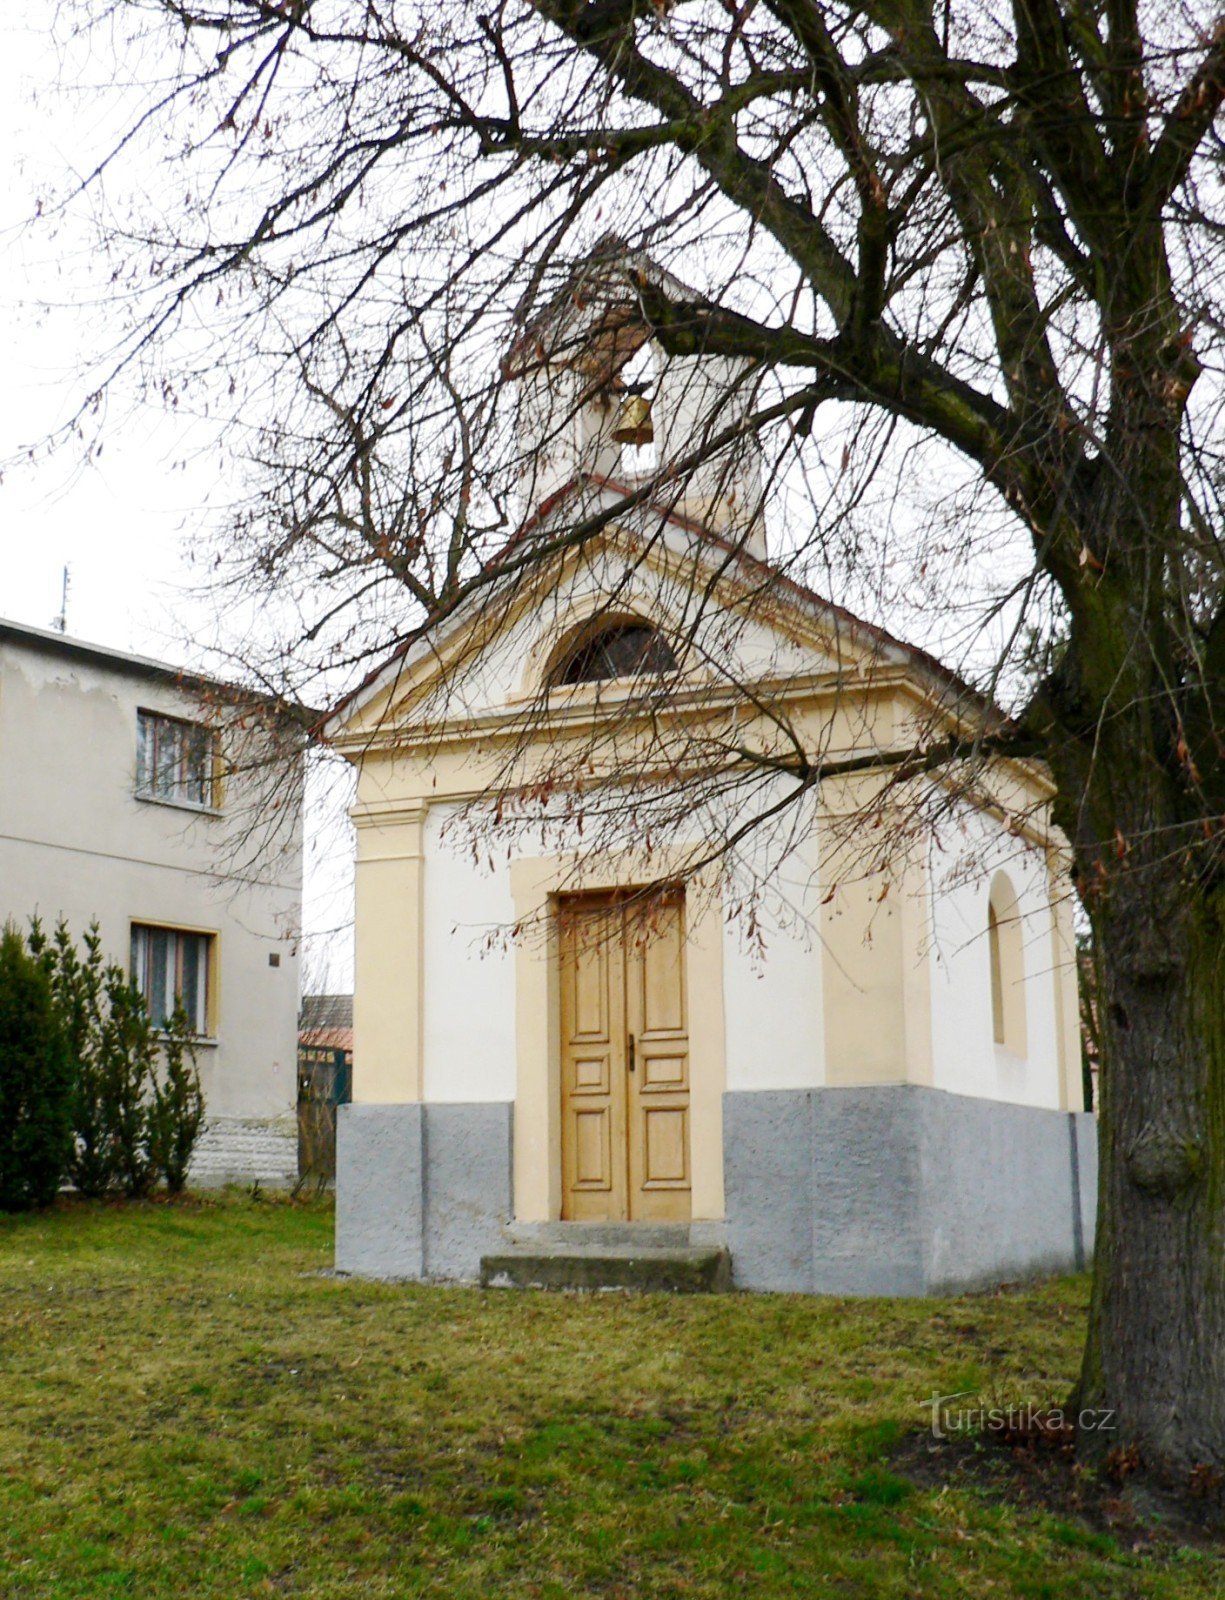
x=422, y=1191
x=902, y=1190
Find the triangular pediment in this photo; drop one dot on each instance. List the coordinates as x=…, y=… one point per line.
x=735, y=620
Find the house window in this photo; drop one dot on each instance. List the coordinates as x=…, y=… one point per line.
x=174, y=760
x=171, y=965
x=1007, y=966
x=616, y=650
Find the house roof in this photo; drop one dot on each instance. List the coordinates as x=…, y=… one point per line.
x=51, y=642
x=48, y=641
x=325, y=1022
x=326, y=1011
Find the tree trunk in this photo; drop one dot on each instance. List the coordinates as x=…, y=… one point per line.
x=1154, y=1366
x=1144, y=829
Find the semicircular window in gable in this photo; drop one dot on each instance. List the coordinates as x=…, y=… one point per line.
x=618, y=650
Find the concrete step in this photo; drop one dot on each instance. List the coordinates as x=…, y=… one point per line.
x=584, y=1236
x=648, y=1268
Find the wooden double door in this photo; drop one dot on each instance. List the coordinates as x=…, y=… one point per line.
x=624, y=1059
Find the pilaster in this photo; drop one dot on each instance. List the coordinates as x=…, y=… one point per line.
x=389, y=992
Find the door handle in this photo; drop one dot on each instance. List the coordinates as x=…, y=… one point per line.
x=631, y=1051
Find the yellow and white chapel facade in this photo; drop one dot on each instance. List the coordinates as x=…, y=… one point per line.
x=565, y=1044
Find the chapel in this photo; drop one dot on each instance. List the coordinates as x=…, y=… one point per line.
x=586, y=1051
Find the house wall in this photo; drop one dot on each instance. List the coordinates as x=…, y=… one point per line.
x=965, y=1057
x=769, y=995
x=773, y=978
x=874, y=919
x=469, y=1022
x=878, y=977
x=76, y=842
x=854, y=1129
x=771, y=983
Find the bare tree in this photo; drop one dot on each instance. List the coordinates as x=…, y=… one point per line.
x=968, y=253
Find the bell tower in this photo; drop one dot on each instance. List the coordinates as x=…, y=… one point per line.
x=599, y=399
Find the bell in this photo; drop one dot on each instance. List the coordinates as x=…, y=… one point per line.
x=633, y=424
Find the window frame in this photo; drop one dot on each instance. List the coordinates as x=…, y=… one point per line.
x=1006, y=960
x=586, y=638
x=147, y=763
x=210, y=939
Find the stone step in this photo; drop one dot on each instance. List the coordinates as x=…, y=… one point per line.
x=647, y=1268
x=616, y=1235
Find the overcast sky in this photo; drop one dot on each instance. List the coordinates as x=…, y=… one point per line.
x=120, y=524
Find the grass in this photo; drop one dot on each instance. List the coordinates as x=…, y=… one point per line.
x=188, y=1408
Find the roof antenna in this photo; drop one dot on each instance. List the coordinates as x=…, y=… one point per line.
x=60, y=623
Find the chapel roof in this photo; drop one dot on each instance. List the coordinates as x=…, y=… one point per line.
x=595, y=321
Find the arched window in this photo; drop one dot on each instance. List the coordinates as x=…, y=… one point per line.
x=1007, y=966
x=620, y=649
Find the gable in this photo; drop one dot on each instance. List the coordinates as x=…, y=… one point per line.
x=729, y=619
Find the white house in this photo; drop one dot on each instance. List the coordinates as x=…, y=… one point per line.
x=117, y=803
x=560, y=1076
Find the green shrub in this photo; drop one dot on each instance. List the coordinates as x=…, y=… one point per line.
x=127, y=1052
x=35, y=1082
x=137, y=1106
x=77, y=986
x=178, y=1104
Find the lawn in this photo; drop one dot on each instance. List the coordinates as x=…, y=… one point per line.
x=189, y=1407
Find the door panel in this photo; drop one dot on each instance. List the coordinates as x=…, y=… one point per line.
x=591, y=1075
x=660, y=956
x=592, y=981
x=593, y=1150
x=624, y=1060
x=590, y=987
x=658, y=1111
x=665, y=1148
x=663, y=1072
